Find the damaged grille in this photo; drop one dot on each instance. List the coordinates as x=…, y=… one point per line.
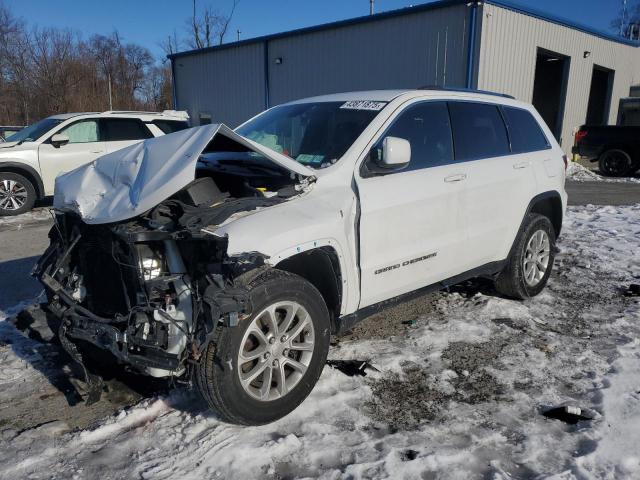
x=109, y=272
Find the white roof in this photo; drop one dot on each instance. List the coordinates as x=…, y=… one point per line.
x=145, y=116
x=373, y=95
x=390, y=95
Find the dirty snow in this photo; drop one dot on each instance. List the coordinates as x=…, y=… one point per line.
x=35, y=215
x=580, y=173
x=458, y=395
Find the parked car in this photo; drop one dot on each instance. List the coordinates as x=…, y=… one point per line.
x=31, y=159
x=6, y=132
x=615, y=148
x=228, y=257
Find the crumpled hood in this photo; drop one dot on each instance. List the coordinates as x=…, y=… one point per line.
x=127, y=183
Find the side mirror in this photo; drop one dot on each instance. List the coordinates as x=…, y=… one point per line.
x=59, y=139
x=395, y=154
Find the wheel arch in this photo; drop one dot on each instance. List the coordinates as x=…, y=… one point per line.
x=548, y=204
x=26, y=171
x=629, y=149
x=320, y=267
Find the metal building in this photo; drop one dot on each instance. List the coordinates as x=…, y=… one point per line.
x=571, y=73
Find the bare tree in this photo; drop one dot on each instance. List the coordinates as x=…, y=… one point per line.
x=171, y=45
x=208, y=25
x=627, y=23
x=50, y=70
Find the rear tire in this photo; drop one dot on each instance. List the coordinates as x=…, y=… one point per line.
x=530, y=263
x=17, y=194
x=262, y=369
x=615, y=163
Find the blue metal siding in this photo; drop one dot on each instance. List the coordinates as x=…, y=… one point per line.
x=425, y=48
x=228, y=84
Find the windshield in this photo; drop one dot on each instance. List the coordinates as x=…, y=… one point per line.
x=314, y=134
x=35, y=131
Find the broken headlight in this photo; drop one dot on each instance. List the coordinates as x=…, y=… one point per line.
x=151, y=261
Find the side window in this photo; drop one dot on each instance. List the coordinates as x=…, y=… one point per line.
x=85, y=131
x=170, y=126
x=524, y=132
x=120, y=129
x=426, y=127
x=478, y=131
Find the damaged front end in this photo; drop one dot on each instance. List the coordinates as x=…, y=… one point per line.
x=152, y=289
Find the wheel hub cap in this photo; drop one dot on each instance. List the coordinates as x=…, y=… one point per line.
x=276, y=351
x=536, y=257
x=13, y=195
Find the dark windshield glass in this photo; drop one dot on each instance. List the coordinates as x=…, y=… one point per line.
x=35, y=131
x=314, y=134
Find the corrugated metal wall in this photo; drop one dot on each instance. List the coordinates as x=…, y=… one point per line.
x=508, y=48
x=408, y=51
x=405, y=51
x=227, y=84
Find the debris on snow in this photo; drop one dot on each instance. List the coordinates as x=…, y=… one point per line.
x=632, y=291
x=569, y=413
x=352, y=368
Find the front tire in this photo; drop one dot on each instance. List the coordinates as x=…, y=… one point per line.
x=17, y=194
x=530, y=263
x=615, y=163
x=262, y=369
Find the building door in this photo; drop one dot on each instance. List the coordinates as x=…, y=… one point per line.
x=550, y=88
x=599, y=96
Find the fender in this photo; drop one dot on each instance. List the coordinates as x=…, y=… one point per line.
x=346, y=272
x=31, y=174
x=541, y=196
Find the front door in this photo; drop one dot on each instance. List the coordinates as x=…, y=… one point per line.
x=411, y=229
x=84, y=146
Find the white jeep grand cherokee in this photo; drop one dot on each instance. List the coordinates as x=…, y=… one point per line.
x=31, y=159
x=228, y=257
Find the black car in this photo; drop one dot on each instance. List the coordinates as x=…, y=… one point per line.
x=615, y=148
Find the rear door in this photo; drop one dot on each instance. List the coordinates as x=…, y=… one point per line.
x=119, y=133
x=84, y=146
x=411, y=230
x=499, y=184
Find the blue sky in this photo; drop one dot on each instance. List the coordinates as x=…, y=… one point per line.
x=147, y=22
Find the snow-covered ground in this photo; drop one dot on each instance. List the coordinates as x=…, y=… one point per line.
x=457, y=396
x=580, y=173
x=35, y=215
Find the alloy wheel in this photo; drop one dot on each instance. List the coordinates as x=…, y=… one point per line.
x=276, y=351
x=536, y=257
x=13, y=195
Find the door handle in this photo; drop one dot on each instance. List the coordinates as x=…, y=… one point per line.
x=96, y=151
x=458, y=177
x=518, y=166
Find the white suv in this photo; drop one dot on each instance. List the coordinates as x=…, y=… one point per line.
x=229, y=257
x=31, y=159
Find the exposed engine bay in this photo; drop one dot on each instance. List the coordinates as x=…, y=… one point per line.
x=151, y=290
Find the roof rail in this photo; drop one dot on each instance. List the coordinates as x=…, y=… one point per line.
x=120, y=112
x=182, y=114
x=468, y=90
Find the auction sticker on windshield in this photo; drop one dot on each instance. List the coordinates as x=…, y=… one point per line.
x=363, y=105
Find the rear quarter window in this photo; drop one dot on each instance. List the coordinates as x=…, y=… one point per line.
x=524, y=131
x=170, y=126
x=121, y=129
x=478, y=131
